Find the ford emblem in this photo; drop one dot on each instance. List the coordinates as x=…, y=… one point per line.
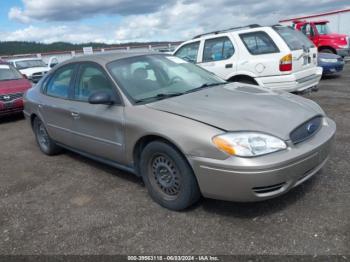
x=311, y=127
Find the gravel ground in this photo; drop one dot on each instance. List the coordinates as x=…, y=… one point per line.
x=68, y=204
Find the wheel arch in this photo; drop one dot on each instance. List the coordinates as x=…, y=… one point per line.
x=143, y=141
x=320, y=48
x=240, y=77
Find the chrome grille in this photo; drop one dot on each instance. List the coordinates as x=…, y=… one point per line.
x=10, y=97
x=306, y=130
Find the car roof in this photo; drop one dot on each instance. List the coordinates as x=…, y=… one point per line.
x=105, y=58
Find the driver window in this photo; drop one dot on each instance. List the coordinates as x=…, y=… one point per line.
x=189, y=52
x=92, y=80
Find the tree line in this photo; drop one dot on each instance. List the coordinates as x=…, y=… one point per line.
x=21, y=47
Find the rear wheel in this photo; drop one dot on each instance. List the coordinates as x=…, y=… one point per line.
x=168, y=177
x=45, y=143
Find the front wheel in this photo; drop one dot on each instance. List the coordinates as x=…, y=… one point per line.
x=168, y=177
x=45, y=143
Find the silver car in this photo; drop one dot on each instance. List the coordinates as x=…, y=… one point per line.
x=186, y=132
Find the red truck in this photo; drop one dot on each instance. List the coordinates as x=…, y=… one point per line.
x=326, y=41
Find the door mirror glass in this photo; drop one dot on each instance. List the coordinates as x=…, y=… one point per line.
x=101, y=98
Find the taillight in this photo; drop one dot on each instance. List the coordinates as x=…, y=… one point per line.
x=286, y=63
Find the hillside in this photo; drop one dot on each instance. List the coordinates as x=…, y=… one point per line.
x=18, y=47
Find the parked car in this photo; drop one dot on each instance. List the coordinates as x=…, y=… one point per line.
x=273, y=57
x=185, y=131
x=33, y=68
x=12, y=87
x=326, y=41
x=330, y=63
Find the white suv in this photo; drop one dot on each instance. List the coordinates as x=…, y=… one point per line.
x=274, y=57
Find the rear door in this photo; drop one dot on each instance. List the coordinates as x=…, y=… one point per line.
x=219, y=56
x=55, y=107
x=303, y=51
x=97, y=129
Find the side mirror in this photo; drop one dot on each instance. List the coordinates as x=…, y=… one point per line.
x=101, y=98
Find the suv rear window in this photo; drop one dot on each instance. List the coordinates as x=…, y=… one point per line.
x=294, y=38
x=259, y=43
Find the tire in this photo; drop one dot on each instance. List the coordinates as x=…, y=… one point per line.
x=168, y=176
x=45, y=143
x=327, y=50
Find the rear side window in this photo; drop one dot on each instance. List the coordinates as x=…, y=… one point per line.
x=217, y=49
x=189, y=52
x=58, y=85
x=259, y=43
x=295, y=39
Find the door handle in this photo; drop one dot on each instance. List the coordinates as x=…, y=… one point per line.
x=74, y=114
x=228, y=66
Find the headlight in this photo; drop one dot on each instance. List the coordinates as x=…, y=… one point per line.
x=329, y=60
x=248, y=144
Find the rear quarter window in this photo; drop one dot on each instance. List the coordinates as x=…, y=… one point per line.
x=295, y=39
x=259, y=43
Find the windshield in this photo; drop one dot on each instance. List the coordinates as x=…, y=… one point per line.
x=153, y=77
x=294, y=38
x=9, y=73
x=323, y=29
x=30, y=63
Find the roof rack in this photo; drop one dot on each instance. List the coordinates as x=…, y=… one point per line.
x=228, y=30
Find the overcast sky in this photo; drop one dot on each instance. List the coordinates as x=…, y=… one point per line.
x=115, y=21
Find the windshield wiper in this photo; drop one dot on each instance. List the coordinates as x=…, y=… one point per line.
x=159, y=96
x=205, y=85
x=167, y=95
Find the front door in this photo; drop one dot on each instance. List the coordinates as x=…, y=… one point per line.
x=97, y=129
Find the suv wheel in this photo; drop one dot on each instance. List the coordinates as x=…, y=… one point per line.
x=168, y=177
x=46, y=144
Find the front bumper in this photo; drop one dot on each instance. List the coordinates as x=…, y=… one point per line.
x=11, y=107
x=343, y=52
x=291, y=83
x=255, y=179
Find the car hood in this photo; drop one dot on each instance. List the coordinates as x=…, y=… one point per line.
x=32, y=70
x=241, y=107
x=333, y=36
x=14, y=86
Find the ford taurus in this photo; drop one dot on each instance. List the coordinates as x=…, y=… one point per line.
x=186, y=132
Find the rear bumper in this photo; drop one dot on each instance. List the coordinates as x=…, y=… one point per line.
x=260, y=178
x=332, y=68
x=291, y=83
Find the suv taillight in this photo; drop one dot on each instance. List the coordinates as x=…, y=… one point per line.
x=286, y=63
